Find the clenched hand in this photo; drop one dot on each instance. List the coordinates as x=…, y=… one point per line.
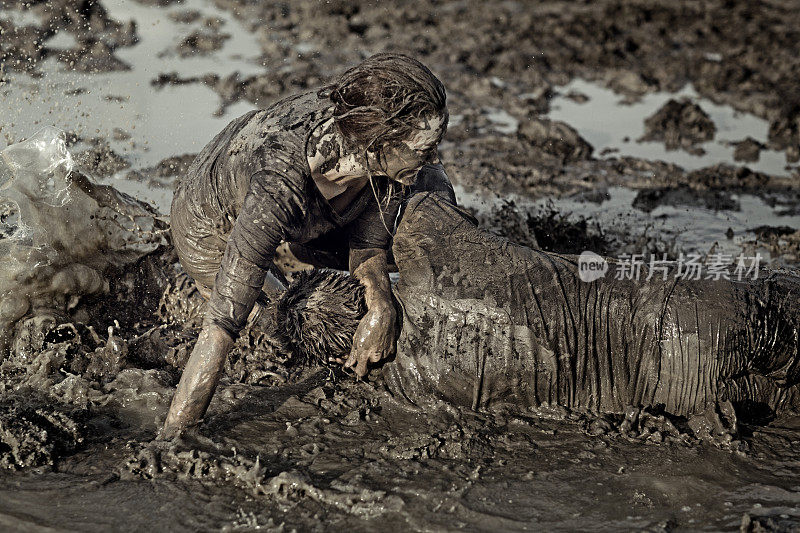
x=374, y=339
x=376, y=334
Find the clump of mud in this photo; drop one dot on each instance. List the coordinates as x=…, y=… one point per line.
x=782, y=242
x=163, y=173
x=97, y=35
x=37, y=435
x=555, y=138
x=172, y=166
x=784, y=130
x=748, y=150
x=680, y=124
x=92, y=57
x=202, y=43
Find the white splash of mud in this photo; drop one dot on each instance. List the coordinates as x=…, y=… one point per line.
x=59, y=232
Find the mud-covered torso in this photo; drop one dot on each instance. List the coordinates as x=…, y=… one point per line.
x=249, y=190
x=486, y=322
x=216, y=184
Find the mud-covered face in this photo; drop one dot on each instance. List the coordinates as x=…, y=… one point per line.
x=401, y=161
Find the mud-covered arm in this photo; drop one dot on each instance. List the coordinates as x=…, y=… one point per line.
x=272, y=206
x=376, y=334
x=370, y=241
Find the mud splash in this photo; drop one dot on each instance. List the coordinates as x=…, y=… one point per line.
x=62, y=233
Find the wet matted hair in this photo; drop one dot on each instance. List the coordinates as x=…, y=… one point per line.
x=384, y=98
x=316, y=318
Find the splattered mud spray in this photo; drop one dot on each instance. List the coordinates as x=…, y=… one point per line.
x=60, y=231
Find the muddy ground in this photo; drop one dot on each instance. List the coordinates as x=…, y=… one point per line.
x=86, y=383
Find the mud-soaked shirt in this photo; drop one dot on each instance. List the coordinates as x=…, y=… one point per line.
x=251, y=188
x=486, y=322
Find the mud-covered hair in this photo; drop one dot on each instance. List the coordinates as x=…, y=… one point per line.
x=384, y=98
x=316, y=317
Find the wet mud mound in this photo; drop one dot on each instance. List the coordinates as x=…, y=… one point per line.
x=555, y=138
x=748, y=150
x=680, y=124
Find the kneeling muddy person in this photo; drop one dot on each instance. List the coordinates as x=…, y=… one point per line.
x=485, y=323
x=323, y=171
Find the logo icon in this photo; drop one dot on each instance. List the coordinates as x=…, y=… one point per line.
x=591, y=266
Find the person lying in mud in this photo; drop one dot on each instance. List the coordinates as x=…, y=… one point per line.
x=485, y=322
x=324, y=171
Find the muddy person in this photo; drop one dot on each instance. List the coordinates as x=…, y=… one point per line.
x=486, y=323
x=324, y=171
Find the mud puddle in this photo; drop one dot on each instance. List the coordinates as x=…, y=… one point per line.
x=140, y=123
x=614, y=125
x=309, y=449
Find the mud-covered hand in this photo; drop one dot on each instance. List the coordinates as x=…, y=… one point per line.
x=198, y=381
x=376, y=334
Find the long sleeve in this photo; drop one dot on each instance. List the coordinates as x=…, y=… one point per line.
x=273, y=206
